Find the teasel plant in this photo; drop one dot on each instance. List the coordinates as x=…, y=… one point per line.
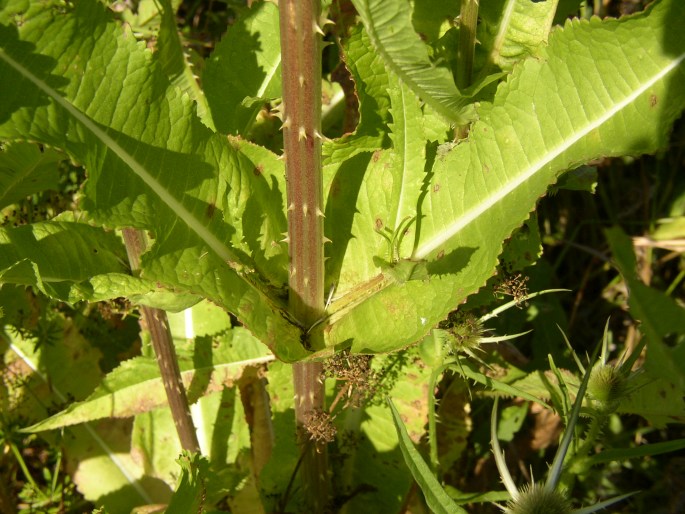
x=462, y=335
x=608, y=385
x=549, y=497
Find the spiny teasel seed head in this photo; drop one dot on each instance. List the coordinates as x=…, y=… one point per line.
x=608, y=385
x=465, y=330
x=535, y=499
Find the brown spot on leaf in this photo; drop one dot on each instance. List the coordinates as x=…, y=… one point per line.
x=440, y=255
x=209, y=212
x=653, y=100
x=258, y=170
x=436, y=187
x=376, y=155
x=379, y=223
x=335, y=187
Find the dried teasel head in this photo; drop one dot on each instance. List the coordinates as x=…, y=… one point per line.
x=319, y=426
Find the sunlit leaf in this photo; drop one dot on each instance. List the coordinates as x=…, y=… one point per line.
x=136, y=386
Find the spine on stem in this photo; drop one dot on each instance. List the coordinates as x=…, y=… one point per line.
x=301, y=70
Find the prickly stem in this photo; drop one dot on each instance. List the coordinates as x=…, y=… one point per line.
x=301, y=79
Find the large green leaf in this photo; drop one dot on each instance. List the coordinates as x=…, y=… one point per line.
x=172, y=59
x=601, y=88
x=659, y=315
x=74, y=261
x=136, y=386
x=406, y=169
x=244, y=71
x=522, y=28
x=73, y=79
x=389, y=25
x=390, y=184
x=25, y=170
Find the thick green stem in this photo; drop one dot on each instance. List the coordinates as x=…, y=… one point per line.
x=301, y=65
x=155, y=321
x=468, y=19
x=301, y=72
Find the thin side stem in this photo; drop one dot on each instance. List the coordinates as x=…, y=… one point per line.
x=593, y=435
x=301, y=78
x=255, y=402
x=432, y=425
x=25, y=470
x=155, y=321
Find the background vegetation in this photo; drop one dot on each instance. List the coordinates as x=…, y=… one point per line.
x=79, y=343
